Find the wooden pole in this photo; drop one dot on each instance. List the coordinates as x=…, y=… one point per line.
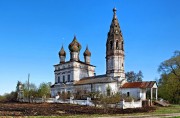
x=28, y=88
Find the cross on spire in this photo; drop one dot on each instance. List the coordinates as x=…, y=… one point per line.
x=114, y=10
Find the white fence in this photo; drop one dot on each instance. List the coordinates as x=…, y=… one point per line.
x=132, y=104
x=122, y=104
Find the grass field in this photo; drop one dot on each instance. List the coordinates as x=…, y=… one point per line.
x=170, y=109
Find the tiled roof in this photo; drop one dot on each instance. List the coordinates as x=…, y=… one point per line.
x=95, y=79
x=139, y=84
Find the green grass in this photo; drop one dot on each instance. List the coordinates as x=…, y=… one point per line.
x=165, y=110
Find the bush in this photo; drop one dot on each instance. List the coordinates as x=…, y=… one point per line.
x=9, y=97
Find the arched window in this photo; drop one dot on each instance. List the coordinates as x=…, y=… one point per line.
x=63, y=79
x=58, y=79
x=111, y=45
x=108, y=92
x=68, y=78
x=117, y=44
x=128, y=94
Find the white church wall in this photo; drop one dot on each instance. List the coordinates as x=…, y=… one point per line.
x=63, y=71
x=91, y=71
x=113, y=87
x=103, y=87
x=53, y=92
x=81, y=70
x=133, y=92
x=143, y=94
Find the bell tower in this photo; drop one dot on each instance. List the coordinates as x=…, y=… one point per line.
x=115, y=50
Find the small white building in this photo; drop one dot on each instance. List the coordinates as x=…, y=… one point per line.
x=138, y=90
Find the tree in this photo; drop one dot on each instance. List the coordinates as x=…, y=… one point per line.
x=139, y=76
x=107, y=100
x=9, y=97
x=2, y=98
x=131, y=76
x=115, y=99
x=169, y=82
x=95, y=97
x=169, y=88
x=44, y=90
x=29, y=90
x=134, y=77
x=171, y=65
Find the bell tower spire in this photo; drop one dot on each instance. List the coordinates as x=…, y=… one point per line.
x=115, y=50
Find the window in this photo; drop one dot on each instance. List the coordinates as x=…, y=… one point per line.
x=58, y=79
x=116, y=32
x=68, y=94
x=108, y=92
x=69, y=78
x=128, y=94
x=117, y=44
x=63, y=78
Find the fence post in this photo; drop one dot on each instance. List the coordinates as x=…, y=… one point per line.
x=123, y=103
x=71, y=100
x=133, y=103
x=88, y=101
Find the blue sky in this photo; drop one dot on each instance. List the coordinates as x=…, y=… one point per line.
x=33, y=31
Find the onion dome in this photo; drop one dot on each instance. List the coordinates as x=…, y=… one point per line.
x=62, y=52
x=74, y=46
x=87, y=52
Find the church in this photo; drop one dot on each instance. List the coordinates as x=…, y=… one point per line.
x=76, y=76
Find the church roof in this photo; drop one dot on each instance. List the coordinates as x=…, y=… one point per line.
x=87, y=52
x=95, y=79
x=62, y=52
x=149, y=84
x=75, y=61
x=74, y=46
x=114, y=27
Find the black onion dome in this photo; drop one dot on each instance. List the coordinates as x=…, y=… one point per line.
x=62, y=52
x=87, y=52
x=74, y=46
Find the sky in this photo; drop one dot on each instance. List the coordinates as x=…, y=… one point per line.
x=33, y=31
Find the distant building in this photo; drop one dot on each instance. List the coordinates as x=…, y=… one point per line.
x=19, y=90
x=75, y=75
